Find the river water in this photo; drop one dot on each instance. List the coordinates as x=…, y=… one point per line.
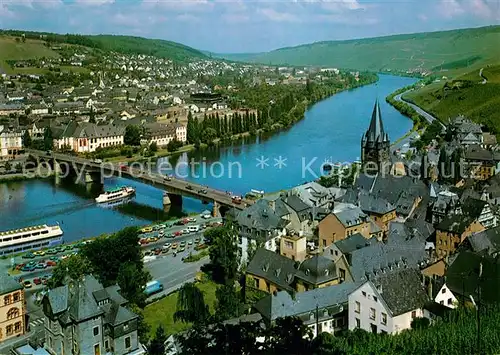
x=331, y=131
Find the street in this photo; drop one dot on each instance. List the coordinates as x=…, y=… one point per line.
x=421, y=112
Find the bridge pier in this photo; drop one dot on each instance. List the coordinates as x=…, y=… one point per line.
x=57, y=172
x=88, y=177
x=171, y=200
x=215, y=210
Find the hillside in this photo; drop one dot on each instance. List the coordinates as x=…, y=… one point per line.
x=431, y=51
x=121, y=44
x=469, y=94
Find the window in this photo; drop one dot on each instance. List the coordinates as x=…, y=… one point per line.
x=443, y=290
x=8, y=329
x=373, y=328
x=357, y=308
x=336, y=252
x=7, y=300
x=384, y=319
x=450, y=301
x=106, y=344
x=324, y=242
x=96, y=331
x=127, y=342
x=342, y=273
x=97, y=349
x=340, y=322
x=364, y=293
x=441, y=302
x=372, y=313
x=288, y=244
x=413, y=314
x=125, y=326
x=13, y=313
x=375, y=298
x=358, y=323
x=17, y=296
x=17, y=327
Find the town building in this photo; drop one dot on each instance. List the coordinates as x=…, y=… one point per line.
x=388, y=303
x=482, y=163
x=87, y=137
x=324, y=308
x=452, y=231
x=83, y=317
x=345, y=220
x=11, y=142
x=12, y=308
x=294, y=246
x=375, y=145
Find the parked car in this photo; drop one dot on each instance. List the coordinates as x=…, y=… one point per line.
x=167, y=178
x=174, y=246
x=202, y=191
x=37, y=281
x=186, y=231
x=41, y=265
x=28, y=256
x=189, y=187
x=51, y=263
x=190, y=242
x=28, y=268
x=27, y=284
x=45, y=279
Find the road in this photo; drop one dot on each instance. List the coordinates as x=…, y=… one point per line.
x=485, y=80
x=421, y=112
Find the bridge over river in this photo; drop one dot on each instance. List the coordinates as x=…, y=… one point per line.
x=87, y=171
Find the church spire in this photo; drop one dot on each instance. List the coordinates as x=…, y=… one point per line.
x=376, y=131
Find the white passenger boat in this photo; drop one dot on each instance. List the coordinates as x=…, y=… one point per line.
x=30, y=238
x=117, y=194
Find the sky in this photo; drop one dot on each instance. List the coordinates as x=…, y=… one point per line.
x=242, y=26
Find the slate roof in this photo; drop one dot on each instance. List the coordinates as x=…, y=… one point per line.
x=455, y=223
x=477, y=153
x=8, y=284
x=486, y=241
x=317, y=270
x=349, y=215
x=402, y=250
x=273, y=267
x=79, y=301
x=354, y=242
x=367, y=202
x=401, y=290
x=462, y=276
x=376, y=132
x=283, y=305
x=260, y=216
x=473, y=207
x=399, y=191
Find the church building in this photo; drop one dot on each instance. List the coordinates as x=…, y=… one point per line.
x=375, y=145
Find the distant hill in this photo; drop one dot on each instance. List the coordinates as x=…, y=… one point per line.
x=431, y=50
x=472, y=95
x=120, y=44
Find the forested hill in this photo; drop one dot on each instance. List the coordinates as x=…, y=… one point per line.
x=431, y=51
x=120, y=44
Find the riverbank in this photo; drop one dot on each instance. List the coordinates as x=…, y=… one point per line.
x=26, y=175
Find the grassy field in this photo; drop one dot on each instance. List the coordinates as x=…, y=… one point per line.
x=31, y=49
x=465, y=94
x=162, y=312
x=437, y=51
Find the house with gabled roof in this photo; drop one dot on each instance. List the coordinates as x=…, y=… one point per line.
x=389, y=302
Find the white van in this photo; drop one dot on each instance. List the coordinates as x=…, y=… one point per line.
x=195, y=228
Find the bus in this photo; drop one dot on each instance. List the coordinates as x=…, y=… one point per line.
x=153, y=287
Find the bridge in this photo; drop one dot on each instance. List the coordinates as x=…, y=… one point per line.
x=88, y=171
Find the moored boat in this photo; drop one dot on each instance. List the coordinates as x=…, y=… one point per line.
x=30, y=238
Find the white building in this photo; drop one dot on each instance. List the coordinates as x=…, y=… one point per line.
x=388, y=302
x=11, y=142
x=446, y=297
x=87, y=137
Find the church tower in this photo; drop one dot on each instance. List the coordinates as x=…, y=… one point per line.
x=375, y=145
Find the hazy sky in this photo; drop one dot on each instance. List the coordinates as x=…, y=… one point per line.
x=246, y=25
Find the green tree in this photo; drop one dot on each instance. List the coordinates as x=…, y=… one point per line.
x=223, y=254
x=174, y=145
x=73, y=267
x=157, y=345
x=209, y=134
x=142, y=326
x=228, y=303
x=48, y=140
x=191, y=305
x=132, y=135
x=7, y=166
x=288, y=336
x=131, y=279
x=26, y=139
x=153, y=147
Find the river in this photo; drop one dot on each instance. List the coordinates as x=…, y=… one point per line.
x=331, y=131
